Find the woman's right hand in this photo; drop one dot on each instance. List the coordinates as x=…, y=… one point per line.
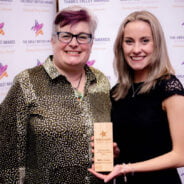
x=116, y=150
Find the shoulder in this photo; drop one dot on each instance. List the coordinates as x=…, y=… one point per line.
x=96, y=71
x=99, y=74
x=27, y=78
x=170, y=85
x=100, y=78
x=27, y=73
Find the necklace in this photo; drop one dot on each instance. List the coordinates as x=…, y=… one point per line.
x=76, y=88
x=135, y=91
x=77, y=93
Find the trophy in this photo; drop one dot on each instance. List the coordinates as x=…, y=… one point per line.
x=103, y=147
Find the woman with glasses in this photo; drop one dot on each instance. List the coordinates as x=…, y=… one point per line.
x=46, y=119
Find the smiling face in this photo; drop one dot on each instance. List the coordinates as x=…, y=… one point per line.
x=138, y=47
x=71, y=56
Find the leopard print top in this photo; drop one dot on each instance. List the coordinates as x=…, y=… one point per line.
x=45, y=131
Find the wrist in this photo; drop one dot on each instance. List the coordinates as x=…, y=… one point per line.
x=127, y=168
x=130, y=169
x=124, y=171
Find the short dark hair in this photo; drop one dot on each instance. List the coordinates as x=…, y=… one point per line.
x=73, y=15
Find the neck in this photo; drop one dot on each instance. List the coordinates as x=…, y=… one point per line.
x=71, y=74
x=140, y=76
x=76, y=87
x=74, y=77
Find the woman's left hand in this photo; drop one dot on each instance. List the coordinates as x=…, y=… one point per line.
x=117, y=170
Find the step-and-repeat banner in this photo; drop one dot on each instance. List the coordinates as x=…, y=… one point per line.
x=26, y=25
x=25, y=32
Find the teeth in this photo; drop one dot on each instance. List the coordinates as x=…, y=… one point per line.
x=137, y=58
x=73, y=52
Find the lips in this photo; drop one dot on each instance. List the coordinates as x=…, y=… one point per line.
x=137, y=58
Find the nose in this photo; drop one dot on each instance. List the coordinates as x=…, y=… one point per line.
x=74, y=41
x=137, y=48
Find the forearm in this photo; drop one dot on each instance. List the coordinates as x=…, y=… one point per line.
x=169, y=160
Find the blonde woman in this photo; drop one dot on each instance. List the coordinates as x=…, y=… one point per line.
x=147, y=106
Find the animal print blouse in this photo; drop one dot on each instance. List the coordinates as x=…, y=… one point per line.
x=45, y=131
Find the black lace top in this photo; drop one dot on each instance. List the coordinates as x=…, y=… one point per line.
x=141, y=128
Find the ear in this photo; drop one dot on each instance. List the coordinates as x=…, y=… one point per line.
x=91, y=43
x=53, y=40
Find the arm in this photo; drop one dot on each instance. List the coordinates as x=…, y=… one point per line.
x=13, y=133
x=174, y=107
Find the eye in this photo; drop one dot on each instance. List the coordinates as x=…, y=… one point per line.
x=83, y=37
x=145, y=40
x=65, y=36
x=128, y=41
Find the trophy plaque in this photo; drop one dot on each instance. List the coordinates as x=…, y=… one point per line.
x=103, y=147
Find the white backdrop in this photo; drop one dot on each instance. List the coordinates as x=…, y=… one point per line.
x=25, y=32
x=26, y=25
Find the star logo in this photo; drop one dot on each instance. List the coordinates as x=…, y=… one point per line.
x=3, y=72
x=1, y=28
x=37, y=28
x=103, y=134
x=90, y=62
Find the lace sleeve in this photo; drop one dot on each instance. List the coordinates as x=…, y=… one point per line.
x=172, y=86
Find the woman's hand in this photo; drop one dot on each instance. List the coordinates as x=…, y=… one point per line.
x=116, y=150
x=117, y=170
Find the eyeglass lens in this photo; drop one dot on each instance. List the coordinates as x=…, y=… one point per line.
x=66, y=37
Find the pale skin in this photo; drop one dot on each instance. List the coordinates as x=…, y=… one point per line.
x=138, y=46
x=70, y=58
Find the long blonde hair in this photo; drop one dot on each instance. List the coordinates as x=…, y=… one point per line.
x=160, y=63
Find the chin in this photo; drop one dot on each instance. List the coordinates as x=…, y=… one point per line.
x=75, y=63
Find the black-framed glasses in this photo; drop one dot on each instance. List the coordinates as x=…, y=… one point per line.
x=82, y=38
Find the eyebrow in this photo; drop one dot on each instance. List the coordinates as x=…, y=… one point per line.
x=129, y=37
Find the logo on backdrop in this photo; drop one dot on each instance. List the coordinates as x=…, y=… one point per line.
x=8, y=1
x=85, y=1
x=41, y=2
x=3, y=72
x=39, y=62
x=1, y=28
x=178, y=38
x=37, y=28
x=102, y=39
x=5, y=43
x=90, y=62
